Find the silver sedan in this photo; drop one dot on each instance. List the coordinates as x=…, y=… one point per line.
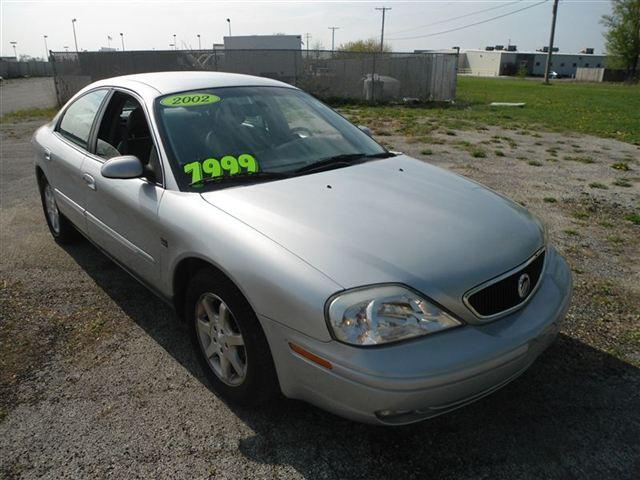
x=306, y=258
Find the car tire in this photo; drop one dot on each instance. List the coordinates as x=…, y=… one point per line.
x=60, y=227
x=257, y=383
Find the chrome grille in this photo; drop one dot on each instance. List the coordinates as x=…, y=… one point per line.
x=502, y=294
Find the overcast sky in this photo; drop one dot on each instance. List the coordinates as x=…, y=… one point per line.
x=150, y=24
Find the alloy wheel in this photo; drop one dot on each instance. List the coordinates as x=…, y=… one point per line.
x=220, y=339
x=52, y=208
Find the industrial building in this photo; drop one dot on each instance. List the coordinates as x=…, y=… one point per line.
x=263, y=42
x=494, y=62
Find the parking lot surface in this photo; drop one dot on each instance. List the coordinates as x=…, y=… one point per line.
x=26, y=93
x=97, y=377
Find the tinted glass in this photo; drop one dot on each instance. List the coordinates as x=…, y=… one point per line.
x=235, y=130
x=77, y=120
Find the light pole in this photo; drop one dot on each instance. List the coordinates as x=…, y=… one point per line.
x=46, y=48
x=15, y=53
x=307, y=37
x=75, y=38
x=175, y=45
x=66, y=48
x=229, y=22
x=199, y=43
x=122, y=40
x=384, y=10
x=333, y=37
x=109, y=41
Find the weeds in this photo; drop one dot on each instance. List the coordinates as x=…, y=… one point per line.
x=622, y=166
x=579, y=159
x=622, y=182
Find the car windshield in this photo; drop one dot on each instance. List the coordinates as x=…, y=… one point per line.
x=220, y=135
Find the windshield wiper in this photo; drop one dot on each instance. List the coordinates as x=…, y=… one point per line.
x=246, y=177
x=344, y=159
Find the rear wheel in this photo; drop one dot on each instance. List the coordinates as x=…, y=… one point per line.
x=61, y=228
x=229, y=340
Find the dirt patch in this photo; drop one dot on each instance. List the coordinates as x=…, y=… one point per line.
x=98, y=378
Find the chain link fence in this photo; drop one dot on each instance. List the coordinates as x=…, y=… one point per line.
x=355, y=76
x=30, y=68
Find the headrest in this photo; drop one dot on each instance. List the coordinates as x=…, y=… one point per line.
x=137, y=124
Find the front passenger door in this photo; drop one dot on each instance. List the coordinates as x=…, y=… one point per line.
x=122, y=213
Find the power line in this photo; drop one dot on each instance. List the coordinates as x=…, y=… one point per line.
x=308, y=38
x=333, y=37
x=547, y=68
x=450, y=19
x=471, y=24
x=383, y=10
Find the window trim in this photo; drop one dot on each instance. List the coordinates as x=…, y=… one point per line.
x=93, y=139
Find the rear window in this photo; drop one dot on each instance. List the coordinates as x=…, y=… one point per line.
x=78, y=119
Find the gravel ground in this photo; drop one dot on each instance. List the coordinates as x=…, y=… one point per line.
x=25, y=93
x=97, y=377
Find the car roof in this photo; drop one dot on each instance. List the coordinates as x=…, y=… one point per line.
x=170, y=82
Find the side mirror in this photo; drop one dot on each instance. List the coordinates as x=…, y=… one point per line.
x=125, y=166
x=366, y=130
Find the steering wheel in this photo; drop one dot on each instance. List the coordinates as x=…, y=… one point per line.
x=302, y=132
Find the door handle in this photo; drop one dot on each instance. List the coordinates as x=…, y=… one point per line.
x=89, y=180
x=47, y=154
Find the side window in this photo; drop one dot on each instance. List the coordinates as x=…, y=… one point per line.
x=77, y=120
x=124, y=130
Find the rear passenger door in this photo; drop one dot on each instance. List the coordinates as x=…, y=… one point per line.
x=65, y=158
x=122, y=214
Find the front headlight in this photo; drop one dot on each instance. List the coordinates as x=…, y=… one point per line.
x=384, y=314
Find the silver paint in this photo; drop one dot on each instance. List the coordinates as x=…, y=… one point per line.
x=290, y=245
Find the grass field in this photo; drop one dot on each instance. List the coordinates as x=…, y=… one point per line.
x=29, y=114
x=602, y=109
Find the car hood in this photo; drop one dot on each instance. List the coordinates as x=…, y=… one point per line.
x=392, y=220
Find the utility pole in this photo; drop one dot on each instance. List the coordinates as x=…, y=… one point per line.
x=333, y=37
x=199, y=43
x=383, y=10
x=122, y=40
x=307, y=37
x=547, y=68
x=46, y=48
x=75, y=39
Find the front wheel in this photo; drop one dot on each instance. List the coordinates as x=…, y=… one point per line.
x=229, y=340
x=61, y=229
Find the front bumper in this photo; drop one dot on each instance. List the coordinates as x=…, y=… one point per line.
x=411, y=381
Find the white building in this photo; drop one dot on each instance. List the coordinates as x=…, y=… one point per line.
x=565, y=64
x=493, y=63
